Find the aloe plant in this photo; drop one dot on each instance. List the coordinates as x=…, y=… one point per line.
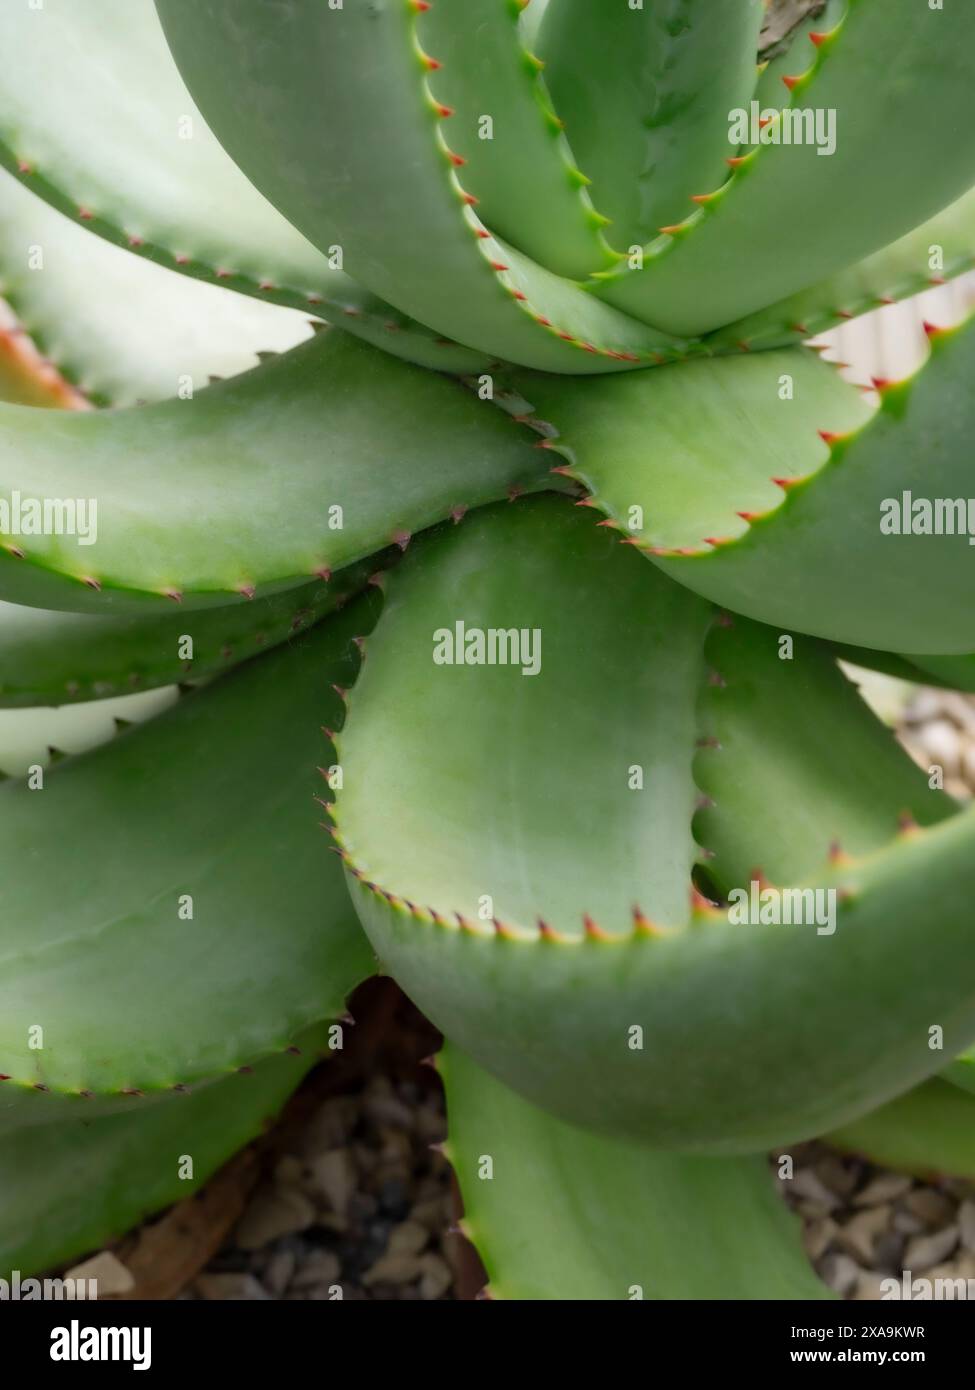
x=529, y=579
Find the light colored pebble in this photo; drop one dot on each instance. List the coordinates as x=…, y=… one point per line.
x=393, y=1269
x=108, y=1271
x=885, y=1187
x=923, y=1251
x=334, y=1175
x=273, y=1213
x=436, y=1278
x=408, y=1238
x=858, y=1235
x=932, y=1206
x=807, y=1185
x=942, y=741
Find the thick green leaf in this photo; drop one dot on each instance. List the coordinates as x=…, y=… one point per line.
x=120, y=328
x=568, y=1215
x=645, y=93
x=520, y=168
x=95, y=118
x=68, y=1187
x=896, y=74
x=793, y=764
x=480, y=803
x=209, y=811
x=52, y=658
x=929, y=1131
x=307, y=464
x=756, y=482
x=335, y=116
x=938, y=250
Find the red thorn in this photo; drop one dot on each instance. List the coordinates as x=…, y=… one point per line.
x=749, y=516
x=701, y=198
x=497, y=265
x=401, y=538
x=818, y=38
x=829, y=437
x=540, y=318
x=485, y=236
x=323, y=573
x=737, y=160
x=93, y=584
x=472, y=202
x=174, y=595
x=457, y=514
x=717, y=540
x=85, y=214
x=457, y=160
x=24, y=168
x=882, y=383
x=672, y=230
x=592, y=929
x=785, y=483
x=446, y=111
x=792, y=82
x=246, y=590
x=932, y=330
x=699, y=901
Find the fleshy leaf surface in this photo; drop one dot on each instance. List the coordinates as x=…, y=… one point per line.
x=644, y=92
x=258, y=484
x=536, y=902
x=571, y=1215
x=766, y=484
x=893, y=80
x=95, y=119
x=342, y=129
x=171, y=911
x=71, y=1186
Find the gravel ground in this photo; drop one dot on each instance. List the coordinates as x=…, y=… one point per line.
x=349, y=1196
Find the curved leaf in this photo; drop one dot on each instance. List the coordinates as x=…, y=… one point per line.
x=896, y=77
x=95, y=118
x=497, y=842
x=645, y=93
x=71, y=1186
x=146, y=884
x=757, y=482
x=341, y=125
x=520, y=167
x=309, y=463
x=120, y=328
x=569, y=1215
x=929, y=1131
x=53, y=658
